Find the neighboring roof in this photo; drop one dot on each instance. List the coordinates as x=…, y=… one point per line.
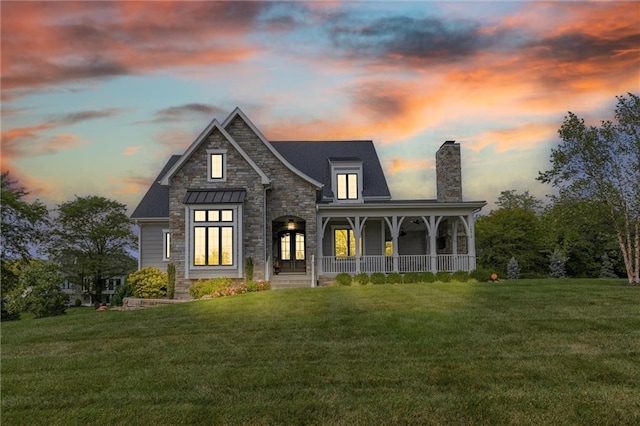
x=155, y=203
x=214, y=196
x=312, y=158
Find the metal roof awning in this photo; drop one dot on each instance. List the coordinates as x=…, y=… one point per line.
x=214, y=196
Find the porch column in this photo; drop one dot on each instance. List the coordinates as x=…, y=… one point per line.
x=471, y=242
x=357, y=226
x=433, y=250
x=323, y=221
x=394, y=227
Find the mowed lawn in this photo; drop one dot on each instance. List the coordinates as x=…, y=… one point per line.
x=519, y=352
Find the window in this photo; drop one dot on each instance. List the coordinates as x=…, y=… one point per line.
x=217, y=165
x=345, y=243
x=166, y=244
x=347, y=186
x=213, y=239
x=299, y=246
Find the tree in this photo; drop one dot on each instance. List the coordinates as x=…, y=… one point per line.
x=39, y=291
x=603, y=164
x=513, y=269
x=511, y=200
x=556, y=265
x=22, y=227
x=606, y=269
x=92, y=239
x=506, y=233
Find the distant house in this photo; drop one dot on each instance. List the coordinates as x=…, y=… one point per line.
x=308, y=210
x=81, y=291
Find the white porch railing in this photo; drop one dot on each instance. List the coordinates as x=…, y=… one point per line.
x=330, y=265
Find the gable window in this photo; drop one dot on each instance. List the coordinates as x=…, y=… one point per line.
x=213, y=241
x=347, y=186
x=345, y=243
x=166, y=244
x=217, y=165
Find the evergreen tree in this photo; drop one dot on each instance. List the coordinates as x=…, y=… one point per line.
x=556, y=265
x=513, y=270
x=607, y=268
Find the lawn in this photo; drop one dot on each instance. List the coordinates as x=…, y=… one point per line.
x=519, y=352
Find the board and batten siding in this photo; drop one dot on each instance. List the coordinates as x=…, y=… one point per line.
x=151, y=245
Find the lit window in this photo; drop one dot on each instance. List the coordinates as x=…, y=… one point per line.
x=347, y=186
x=212, y=241
x=166, y=244
x=345, y=243
x=285, y=246
x=299, y=246
x=217, y=166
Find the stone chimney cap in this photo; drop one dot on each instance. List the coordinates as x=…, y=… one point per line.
x=448, y=143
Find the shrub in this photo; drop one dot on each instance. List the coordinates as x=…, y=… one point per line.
x=148, y=283
x=394, y=278
x=513, y=269
x=460, y=276
x=209, y=287
x=427, y=277
x=377, y=278
x=125, y=290
x=248, y=268
x=253, y=286
x=5, y=313
x=78, y=302
x=411, y=277
x=443, y=276
x=480, y=275
x=342, y=279
x=39, y=291
x=362, y=278
x=171, y=280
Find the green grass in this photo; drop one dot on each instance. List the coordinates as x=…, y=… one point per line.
x=516, y=352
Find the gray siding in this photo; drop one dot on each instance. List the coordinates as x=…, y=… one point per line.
x=151, y=245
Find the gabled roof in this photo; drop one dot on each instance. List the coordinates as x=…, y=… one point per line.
x=312, y=158
x=238, y=112
x=155, y=203
x=214, y=125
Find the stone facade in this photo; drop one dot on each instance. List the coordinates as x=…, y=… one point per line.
x=287, y=195
x=449, y=173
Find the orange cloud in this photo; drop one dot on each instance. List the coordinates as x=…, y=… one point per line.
x=522, y=137
x=131, y=150
x=402, y=165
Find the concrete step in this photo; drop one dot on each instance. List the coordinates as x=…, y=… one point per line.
x=281, y=281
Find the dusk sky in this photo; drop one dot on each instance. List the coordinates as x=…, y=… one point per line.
x=97, y=95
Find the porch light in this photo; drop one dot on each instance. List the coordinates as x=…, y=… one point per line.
x=291, y=225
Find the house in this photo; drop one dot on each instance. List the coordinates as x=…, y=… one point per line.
x=297, y=208
x=81, y=292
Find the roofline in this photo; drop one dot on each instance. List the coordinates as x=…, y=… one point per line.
x=238, y=112
x=150, y=219
x=214, y=124
x=410, y=204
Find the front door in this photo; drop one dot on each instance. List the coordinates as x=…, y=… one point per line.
x=292, y=252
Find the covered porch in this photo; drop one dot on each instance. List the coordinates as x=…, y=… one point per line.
x=401, y=237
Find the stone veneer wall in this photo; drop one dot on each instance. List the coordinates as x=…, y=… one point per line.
x=449, y=173
x=290, y=195
x=193, y=175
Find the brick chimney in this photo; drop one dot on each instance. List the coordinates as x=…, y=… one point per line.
x=449, y=173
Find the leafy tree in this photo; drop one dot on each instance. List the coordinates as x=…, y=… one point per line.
x=582, y=230
x=603, y=164
x=39, y=291
x=506, y=233
x=511, y=199
x=22, y=227
x=92, y=239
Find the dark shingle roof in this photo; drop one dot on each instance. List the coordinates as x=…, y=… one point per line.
x=155, y=203
x=312, y=159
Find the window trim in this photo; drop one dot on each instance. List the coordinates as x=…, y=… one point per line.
x=210, y=154
x=349, y=230
x=347, y=168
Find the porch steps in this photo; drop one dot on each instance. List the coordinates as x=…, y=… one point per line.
x=284, y=280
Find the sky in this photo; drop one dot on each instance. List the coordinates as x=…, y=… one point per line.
x=97, y=95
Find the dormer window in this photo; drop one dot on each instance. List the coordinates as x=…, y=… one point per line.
x=346, y=179
x=347, y=186
x=217, y=165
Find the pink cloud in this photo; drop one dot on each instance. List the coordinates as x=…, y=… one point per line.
x=131, y=150
x=521, y=137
